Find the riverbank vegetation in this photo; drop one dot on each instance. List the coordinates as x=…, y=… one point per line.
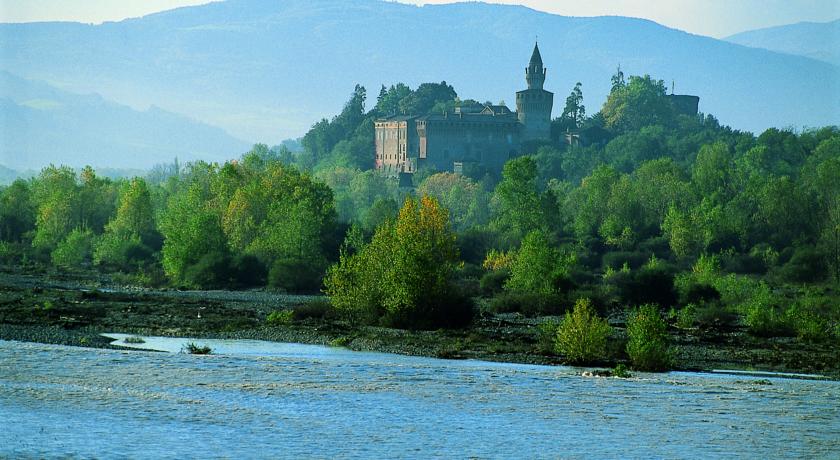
x=653, y=220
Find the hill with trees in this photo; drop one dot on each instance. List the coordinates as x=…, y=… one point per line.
x=266, y=70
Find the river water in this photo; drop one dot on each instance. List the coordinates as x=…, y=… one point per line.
x=268, y=400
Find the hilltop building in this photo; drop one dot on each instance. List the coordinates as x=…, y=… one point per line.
x=489, y=135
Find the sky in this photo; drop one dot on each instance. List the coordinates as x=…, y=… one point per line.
x=716, y=18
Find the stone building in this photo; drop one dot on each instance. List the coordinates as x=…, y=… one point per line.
x=489, y=135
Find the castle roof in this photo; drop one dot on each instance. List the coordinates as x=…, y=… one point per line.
x=536, y=59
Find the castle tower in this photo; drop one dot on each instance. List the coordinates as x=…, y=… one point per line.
x=533, y=105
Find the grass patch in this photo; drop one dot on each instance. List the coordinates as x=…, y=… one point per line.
x=134, y=340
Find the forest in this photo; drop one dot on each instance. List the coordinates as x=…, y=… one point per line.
x=657, y=215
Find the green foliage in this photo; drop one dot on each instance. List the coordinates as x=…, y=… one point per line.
x=537, y=267
x=647, y=343
x=403, y=277
x=639, y=103
x=516, y=201
x=574, y=113
x=194, y=349
x=582, y=335
x=546, y=335
x=132, y=232
x=75, y=250
x=17, y=211
x=294, y=276
x=620, y=371
x=280, y=318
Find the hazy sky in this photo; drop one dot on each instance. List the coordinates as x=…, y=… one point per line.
x=717, y=18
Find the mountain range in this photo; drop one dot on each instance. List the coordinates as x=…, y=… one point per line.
x=41, y=124
x=266, y=70
x=816, y=40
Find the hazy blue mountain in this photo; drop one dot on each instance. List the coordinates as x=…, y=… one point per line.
x=266, y=70
x=40, y=124
x=817, y=40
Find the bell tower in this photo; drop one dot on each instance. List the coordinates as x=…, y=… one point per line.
x=533, y=105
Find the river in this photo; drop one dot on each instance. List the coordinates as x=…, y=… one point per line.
x=270, y=400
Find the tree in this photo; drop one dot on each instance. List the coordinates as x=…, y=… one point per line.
x=465, y=199
x=575, y=112
x=17, y=211
x=582, y=335
x=516, y=201
x=647, y=343
x=132, y=231
x=640, y=103
x=56, y=195
x=75, y=250
x=537, y=267
x=403, y=277
x=617, y=80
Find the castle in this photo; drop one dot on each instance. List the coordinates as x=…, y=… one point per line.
x=489, y=135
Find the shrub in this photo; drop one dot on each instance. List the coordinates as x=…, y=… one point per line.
x=248, y=271
x=134, y=339
x=74, y=250
x=647, y=343
x=646, y=285
x=493, y=281
x=538, y=267
x=620, y=371
x=280, y=317
x=698, y=293
x=685, y=316
x=316, y=309
x=294, y=276
x=404, y=276
x=807, y=265
x=618, y=259
x=763, y=316
x=194, y=349
x=546, y=336
x=813, y=316
x=582, y=335
x=715, y=317
x=212, y=271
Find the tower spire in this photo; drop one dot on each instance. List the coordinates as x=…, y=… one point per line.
x=535, y=72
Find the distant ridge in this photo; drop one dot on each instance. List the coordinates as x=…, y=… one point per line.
x=816, y=40
x=42, y=124
x=266, y=70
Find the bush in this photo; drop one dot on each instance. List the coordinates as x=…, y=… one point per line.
x=815, y=317
x=316, y=309
x=294, y=276
x=582, y=335
x=684, y=317
x=194, y=349
x=715, y=317
x=494, y=281
x=647, y=343
x=74, y=250
x=546, y=336
x=618, y=259
x=698, y=293
x=248, y=271
x=763, y=316
x=807, y=265
x=212, y=271
x=646, y=285
x=280, y=317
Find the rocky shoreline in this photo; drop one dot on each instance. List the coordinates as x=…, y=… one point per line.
x=36, y=308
